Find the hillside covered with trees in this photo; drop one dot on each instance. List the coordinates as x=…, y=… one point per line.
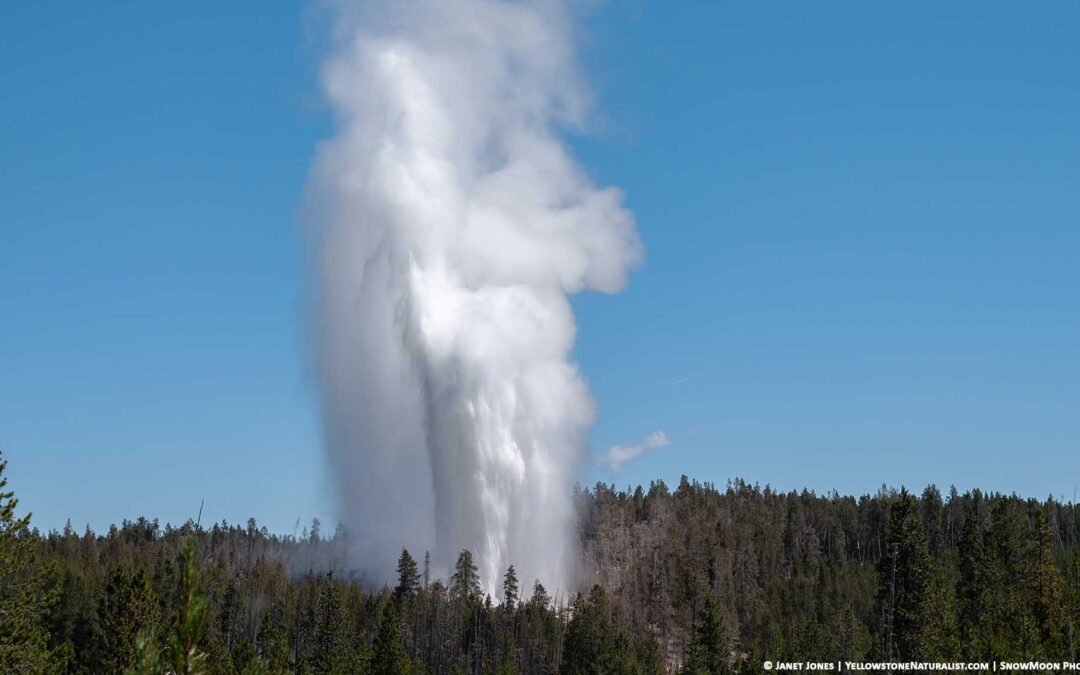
x=696, y=579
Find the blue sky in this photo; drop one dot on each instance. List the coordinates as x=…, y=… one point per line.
x=862, y=222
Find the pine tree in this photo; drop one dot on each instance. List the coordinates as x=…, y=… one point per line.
x=273, y=641
x=508, y=661
x=933, y=515
x=228, y=614
x=191, y=617
x=147, y=659
x=507, y=667
x=27, y=592
x=588, y=635
x=465, y=583
x=908, y=594
x=1044, y=579
x=128, y=607
x=72, y=623
x=218, y=659
x=257, y=666
x=708, y=647
x=390, y=657
x=408, y=577
x=1072, y=607
x=594, y=644
x=330, y=651
x=938, y=635
x=1009, y=617
x=973, y=590
x=540, y=598
x=510, y=589
x=243, y=655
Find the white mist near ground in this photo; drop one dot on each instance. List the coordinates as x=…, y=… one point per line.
x=451, y=224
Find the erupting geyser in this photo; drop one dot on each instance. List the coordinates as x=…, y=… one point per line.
x=452, y=223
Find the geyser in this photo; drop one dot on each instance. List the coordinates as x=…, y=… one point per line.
x=451, y=225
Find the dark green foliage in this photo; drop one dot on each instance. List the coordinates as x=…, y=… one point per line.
x=975, y=588
x=807, y=576
x=244, y=657
x=465, y=583
x=408, y=577
x=540, y=598
x=191, y=617
x=933, y=516
x=694, y=579
x=510, y=589
x=708, y=651
x=596, y=643
x=390, y=657
x=273, y=640
x=147, y=657
x=1044, y=578
x=27, y=592
x=905, y=578
x=331, y=652
x=129, y=607
x=218, y=660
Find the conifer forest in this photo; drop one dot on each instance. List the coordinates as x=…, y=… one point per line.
x=695, y=579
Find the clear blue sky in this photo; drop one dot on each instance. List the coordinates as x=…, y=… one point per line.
x=863, y=232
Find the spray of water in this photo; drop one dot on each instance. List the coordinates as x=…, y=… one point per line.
x=451, y=224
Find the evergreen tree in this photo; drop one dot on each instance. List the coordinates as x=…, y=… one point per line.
x=273, y=640
x=1009, y=618
x=129, y=607
x=1072, y=607
x=465, y=583
x=218, y=659
x=390, y=657
x=588, y=636
x=508, y=663
x=73, y=622
x=191, y=617
x=1044, y=579
x=228, y=615
x=330, y=651
x=594, y=644
x=27, y=591
x=540, y=598
x=938, y=635
x=510, y=589
x=708, y=647
x=147, y=659
x=243, y=655
x=256, y=666
x=933, y=515
x=974, y=590
x=907, y=594
x=507, y=667
x=647, y=654
x=408, y=577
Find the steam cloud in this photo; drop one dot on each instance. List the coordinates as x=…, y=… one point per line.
x=618, y=455
x=451, y=225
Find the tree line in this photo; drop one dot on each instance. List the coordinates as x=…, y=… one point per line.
x=692, y=580
x=800, y=576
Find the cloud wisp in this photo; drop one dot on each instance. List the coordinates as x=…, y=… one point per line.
x=619, y=455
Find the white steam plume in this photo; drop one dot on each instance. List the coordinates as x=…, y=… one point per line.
x=452, y=223
x=619, y=455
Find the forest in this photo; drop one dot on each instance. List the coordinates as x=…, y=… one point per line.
x=699, y=579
